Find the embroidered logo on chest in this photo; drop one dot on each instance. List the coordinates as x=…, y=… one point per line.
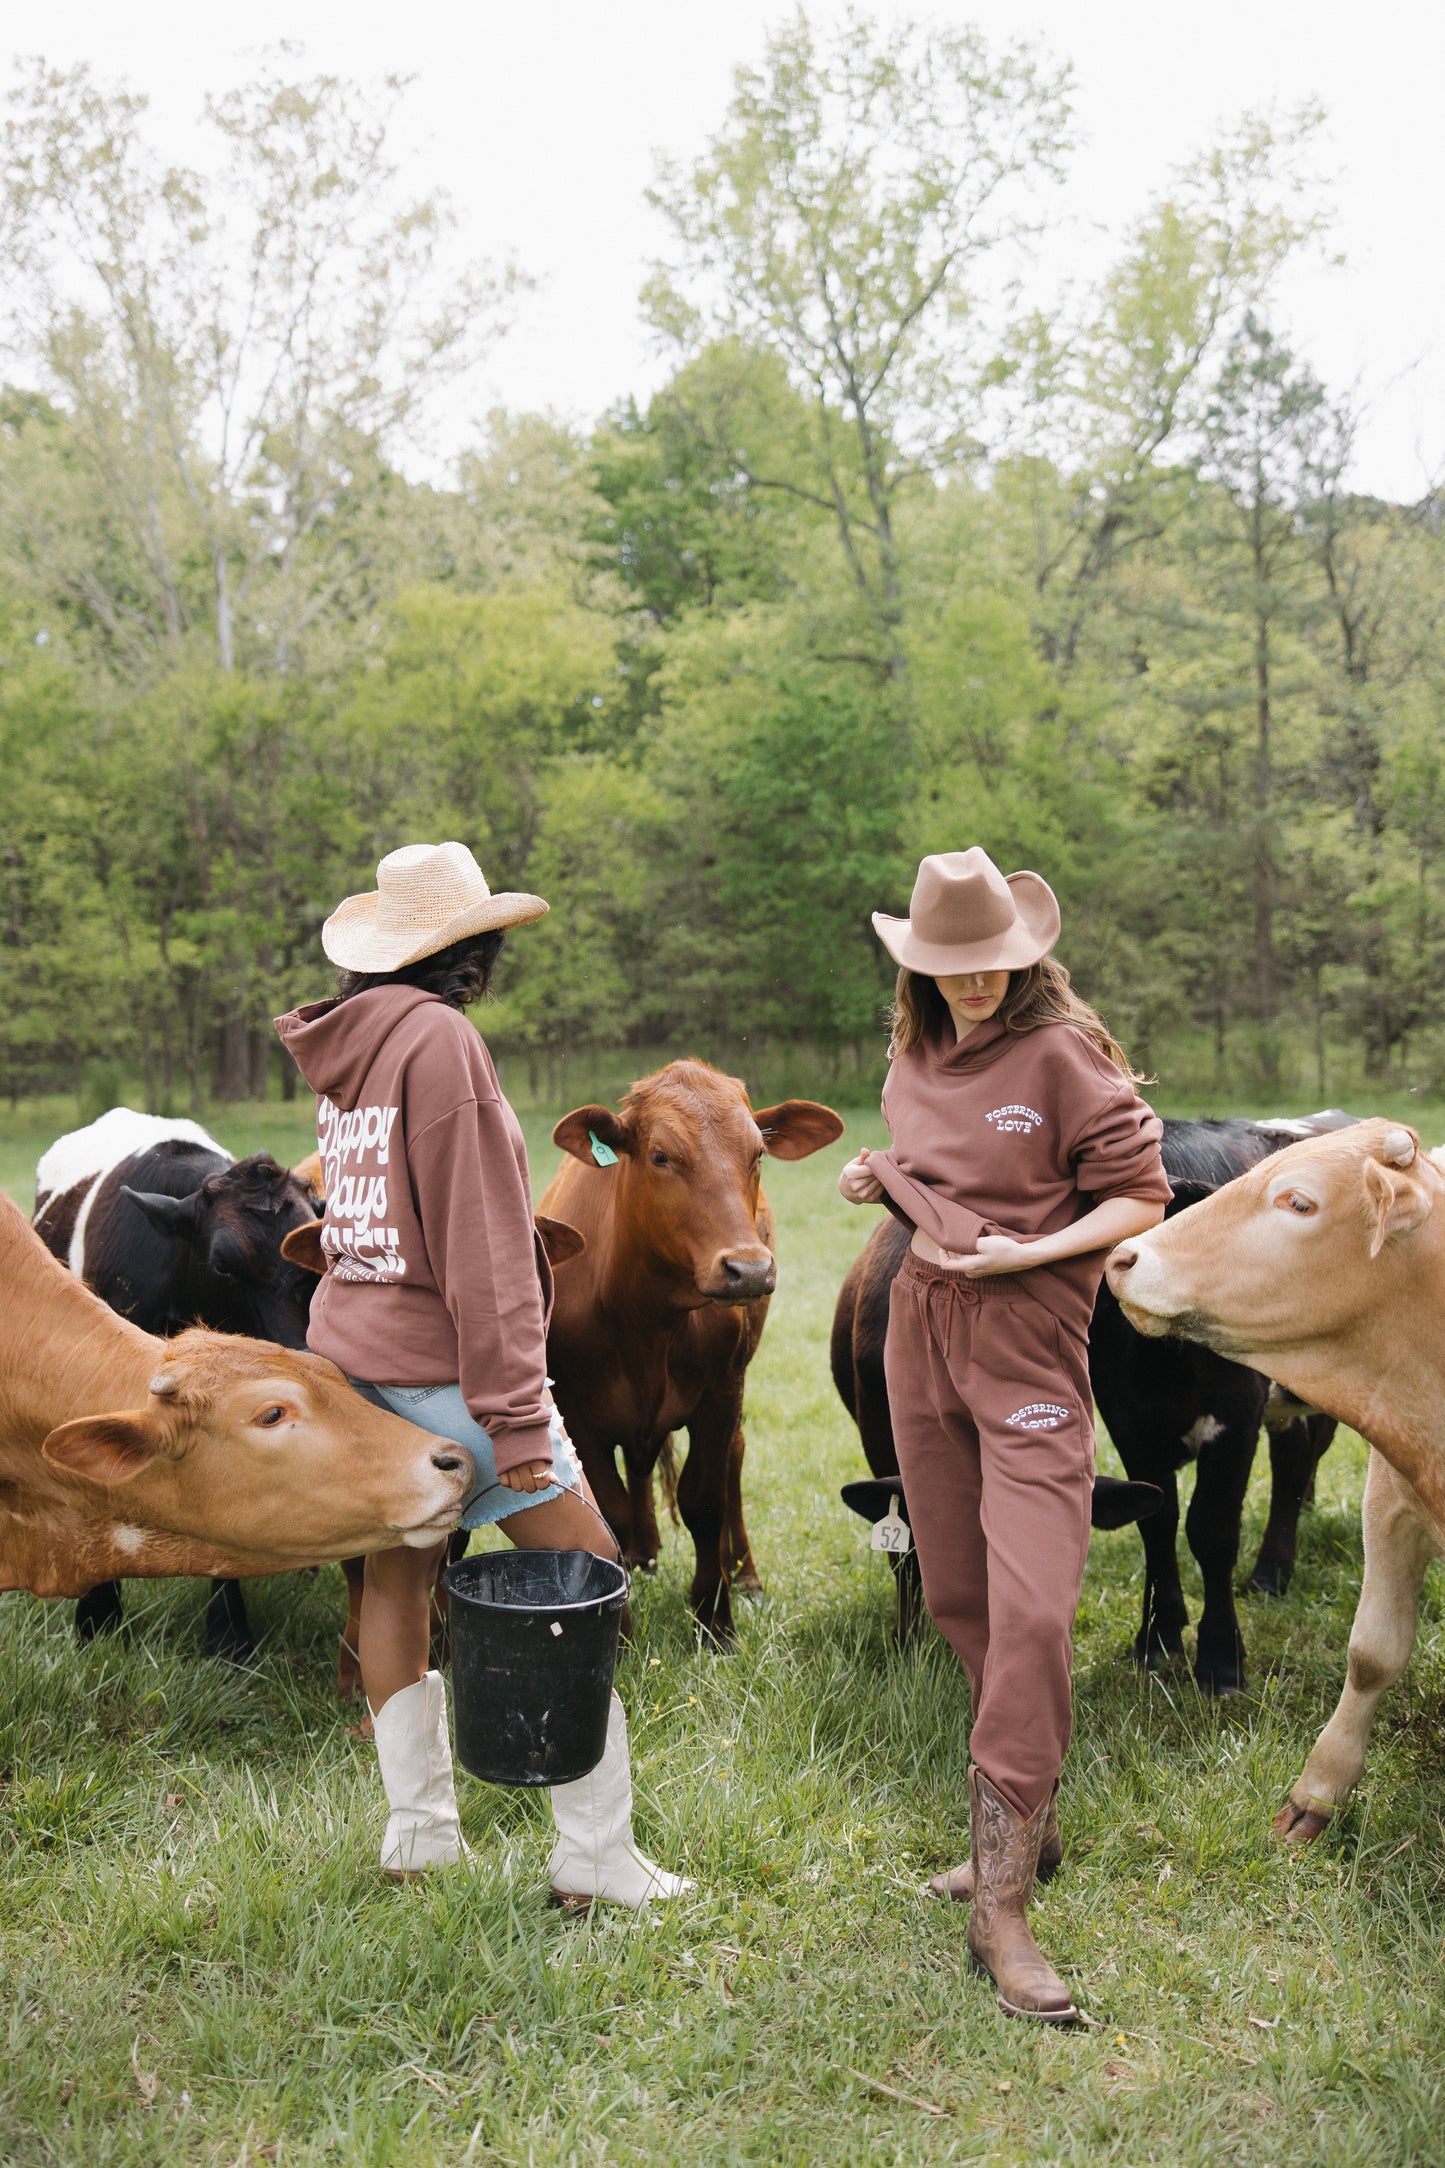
x=1015, y=1121
x=1038, y=1415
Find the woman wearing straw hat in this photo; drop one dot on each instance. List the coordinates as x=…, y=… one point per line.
x=1021, y=1154
x=435, y=1302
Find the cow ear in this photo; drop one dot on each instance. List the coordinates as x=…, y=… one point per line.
x=560, y=1242
x=576, y=1131
x=105, y=1448
x=1396, y=1205
x=175, y=1216
x=303, y=1247
x=796, y=1128
x=309, y=1174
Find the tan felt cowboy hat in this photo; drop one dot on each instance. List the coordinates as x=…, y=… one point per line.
x=427, y=895
x=965, y=915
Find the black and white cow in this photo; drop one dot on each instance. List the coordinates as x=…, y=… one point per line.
x=1165, y=1402
x=165, y=1226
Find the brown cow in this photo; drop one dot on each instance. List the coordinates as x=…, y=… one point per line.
x=1325, y=1268
x=124, y=1454
x=655, y=1325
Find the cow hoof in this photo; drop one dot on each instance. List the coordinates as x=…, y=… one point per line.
x=1267, y=1581
x=1221, y=1681
x=230, y=1648
x=1155, y=1653
x=1300, y=1825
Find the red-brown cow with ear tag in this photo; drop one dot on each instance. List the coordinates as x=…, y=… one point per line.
x=1325, y=1268
x=656, y=1323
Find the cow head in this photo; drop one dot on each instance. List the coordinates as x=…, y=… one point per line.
x=264, y=1453
x=686, y=1155
x=234, y=1228
x=1295, y=1252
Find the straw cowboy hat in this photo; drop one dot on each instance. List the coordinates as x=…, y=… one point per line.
x=967, y=916
x=427, y=895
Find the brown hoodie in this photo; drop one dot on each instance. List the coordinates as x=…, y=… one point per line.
x=435, y=1273
x=1018, y=1134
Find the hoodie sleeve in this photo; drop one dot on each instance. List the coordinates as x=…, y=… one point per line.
x=1116, y=1150
x=476, y=1220
x=917, y=1203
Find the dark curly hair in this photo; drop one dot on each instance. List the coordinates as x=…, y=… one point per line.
x=459, y=974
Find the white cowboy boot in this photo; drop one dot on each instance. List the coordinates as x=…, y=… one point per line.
x=594, y=1857
x=416, y=1771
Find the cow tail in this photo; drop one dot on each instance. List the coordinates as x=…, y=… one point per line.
x=667, y=1471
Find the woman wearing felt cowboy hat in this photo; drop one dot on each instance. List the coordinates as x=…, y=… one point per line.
x=1021, y=1154
x=435, y=1301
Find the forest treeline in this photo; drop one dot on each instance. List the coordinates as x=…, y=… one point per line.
x=893, y=562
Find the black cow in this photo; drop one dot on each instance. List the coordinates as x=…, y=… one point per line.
x=1164, y=1402
x=173, y=1234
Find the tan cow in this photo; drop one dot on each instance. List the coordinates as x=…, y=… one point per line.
x=122, y=1454
x=1324, y=1268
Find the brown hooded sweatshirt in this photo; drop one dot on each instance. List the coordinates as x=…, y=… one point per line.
x=1017, y=1134
x=435, y=1274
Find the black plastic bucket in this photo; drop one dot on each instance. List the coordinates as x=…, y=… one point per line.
x=534, y=1646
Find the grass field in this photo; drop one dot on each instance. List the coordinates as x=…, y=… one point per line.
x=199, y=1963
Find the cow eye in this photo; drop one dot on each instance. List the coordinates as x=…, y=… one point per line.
x=659, y=1159
x=1295, y=1200
x=270, y=1418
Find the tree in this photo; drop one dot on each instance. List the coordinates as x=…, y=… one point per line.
x=236, y=353
x=842, y=218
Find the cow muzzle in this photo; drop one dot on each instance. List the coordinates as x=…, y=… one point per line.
x=1128, y=1274
x=452, y=1472
x=738, y=1278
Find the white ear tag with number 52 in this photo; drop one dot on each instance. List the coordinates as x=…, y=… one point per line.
x=892, y=1533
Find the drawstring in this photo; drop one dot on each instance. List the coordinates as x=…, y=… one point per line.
x=952, y=1290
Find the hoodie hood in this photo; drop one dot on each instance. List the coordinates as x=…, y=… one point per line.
x=334, y=1043
x=979, y=1048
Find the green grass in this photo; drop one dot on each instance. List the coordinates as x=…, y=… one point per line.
x=199, y=1963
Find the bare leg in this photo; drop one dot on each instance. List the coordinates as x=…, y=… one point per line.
x=568, y=1523
x=396, y=1620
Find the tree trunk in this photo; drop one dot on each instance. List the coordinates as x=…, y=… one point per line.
x=258, y=1062
x=230, y=1058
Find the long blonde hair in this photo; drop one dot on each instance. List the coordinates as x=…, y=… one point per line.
x=1042, y=993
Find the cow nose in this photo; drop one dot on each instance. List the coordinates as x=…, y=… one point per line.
x=455, y=1463
x=1123, y=1259
x=748, y=1277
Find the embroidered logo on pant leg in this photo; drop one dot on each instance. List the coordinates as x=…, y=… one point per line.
x=1038, y=1415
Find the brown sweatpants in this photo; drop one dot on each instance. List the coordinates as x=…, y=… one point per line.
x=994, y=1425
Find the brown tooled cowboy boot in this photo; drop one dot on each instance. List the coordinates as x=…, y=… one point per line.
x=1005, y=1855
x=958, y=1882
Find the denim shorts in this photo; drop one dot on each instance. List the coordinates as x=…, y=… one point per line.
x=442, y=1410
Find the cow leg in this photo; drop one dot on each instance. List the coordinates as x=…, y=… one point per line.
x=645, y=1538
x=1213, y=1529
x=1161, y=1629
x=702, y=1497
x=439, y=1650
x=1399, y=1544
x=1294, y=1454
x=348, y=1663
x=599, y=1465
x=743, y=1576
x=228, y=1629
x=99, y=1611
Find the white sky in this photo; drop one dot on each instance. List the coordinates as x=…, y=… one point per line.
x=541, y=121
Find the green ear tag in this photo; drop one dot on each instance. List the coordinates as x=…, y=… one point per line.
x=602, y=1153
